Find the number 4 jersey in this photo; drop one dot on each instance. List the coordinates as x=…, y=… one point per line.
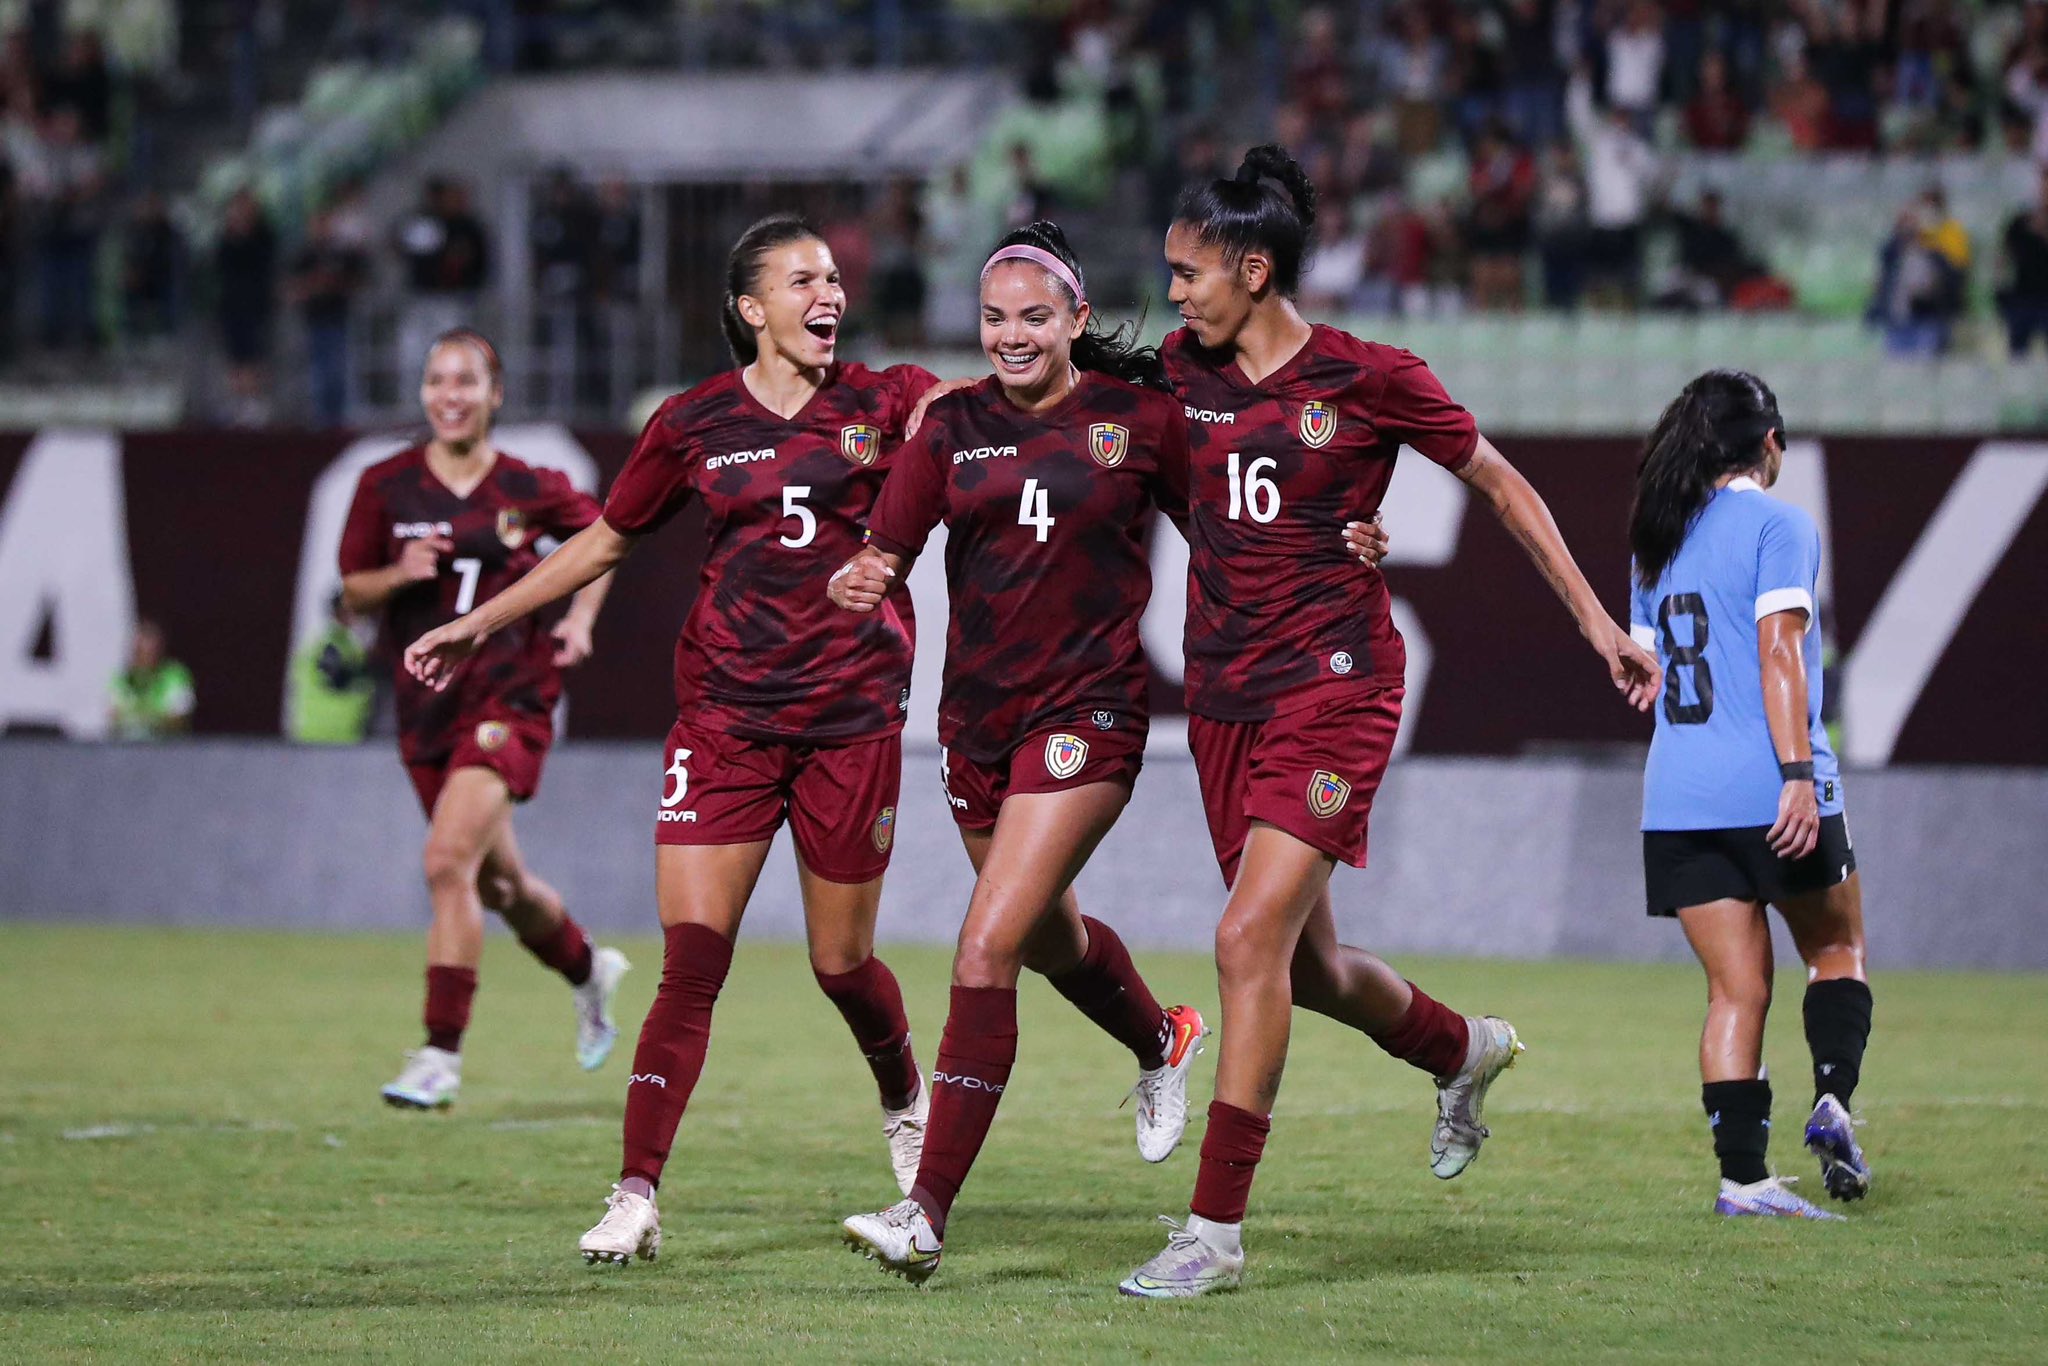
x=1712, y=763
x=764, y=655
x=1280, y=616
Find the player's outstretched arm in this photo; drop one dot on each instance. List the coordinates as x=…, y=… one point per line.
x=577, y=563
x=862, y=582
x=1523, y=512
x=1781, y=652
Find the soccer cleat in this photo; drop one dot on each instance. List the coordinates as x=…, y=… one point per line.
x=1831, y=1137
x=1185, y=1268
x=595, y=1032
x=631, y=1228
x=905, y=1131
x=429, y=1081
x=1493, y=1049
x=1162, y=1092
x=1770, y=1196
x=901, y=1238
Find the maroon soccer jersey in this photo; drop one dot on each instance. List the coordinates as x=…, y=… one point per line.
x=494, y=530
x=1279, y=614
x=1046, y=566
x=764, y=654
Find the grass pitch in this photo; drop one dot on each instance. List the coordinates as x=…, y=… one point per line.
x=194, y=1165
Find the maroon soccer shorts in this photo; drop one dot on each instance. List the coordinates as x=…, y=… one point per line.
x=512, y=745
x=1049, y=760
x=839, y=800
x=1312, y=773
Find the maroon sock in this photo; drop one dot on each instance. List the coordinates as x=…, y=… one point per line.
x=1230, y=1159
x=975, y=1056
x=673, y=1041
x=1105, y=986
x=872, y=1005
x=1431, y=1036
x=566, y=949
x=449, y=992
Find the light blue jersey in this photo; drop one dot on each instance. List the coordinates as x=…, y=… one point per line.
x=1712, y=765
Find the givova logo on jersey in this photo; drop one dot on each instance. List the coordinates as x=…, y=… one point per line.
x=1318, y=425
x=1064, y=755
x=860, y=443
x=1327, y=794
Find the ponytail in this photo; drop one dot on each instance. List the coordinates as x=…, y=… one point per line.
x=743, y=275
x=1715, y=427
x=1246, y=213
x=1115, y=353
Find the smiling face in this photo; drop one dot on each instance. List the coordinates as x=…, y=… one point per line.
x=796, y=304
x=1213, y=297
x=1028, y=326
x=459, y=394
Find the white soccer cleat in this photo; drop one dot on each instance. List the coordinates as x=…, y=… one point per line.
x=900, y=1238
x=429, y=1081
x=1162, y=1092
x=1493, y=1048
x=1187, y=1267
x=595, y=1032
x=1771, y=1197
x=631, y=1228
x=905, y=1131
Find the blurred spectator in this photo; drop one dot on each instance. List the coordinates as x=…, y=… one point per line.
x=1475, y=74
x=152, y=269
x=899, y=267
x=1335, y=277
x=327, y=274
x=615, y=243
x=1412, y=75
x=82, y=82
x=1031, y=197
x=1920, y=279
x=2026, y=85
x=1620, y=167
x=333, y=685
x=2024, y=299
x=558, y=236
x=1316, y=78
x=1844, y=45
x=1714, y=268
x=152, y=698
x=1532, y=99
x=1799, y=102
x=1368, y=162
x=66, y=201
x=1716, y=119
x=245, y=287
x=1562, y=227
x=1635, y=65
x=446, y=256
x=1502, y=184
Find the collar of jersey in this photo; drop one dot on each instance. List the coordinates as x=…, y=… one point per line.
x=1742, y=483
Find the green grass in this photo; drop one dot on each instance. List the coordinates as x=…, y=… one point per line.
x=194, y=1165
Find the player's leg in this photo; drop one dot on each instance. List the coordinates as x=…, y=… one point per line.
x=1827, y=927
x=534, y=910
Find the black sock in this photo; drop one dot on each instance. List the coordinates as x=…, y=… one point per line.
x=1837, y=1026
x=1740, y=1113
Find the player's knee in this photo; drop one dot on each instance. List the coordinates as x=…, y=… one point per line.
x=1244, y=951
x=1749, y=993
x=986, y=960
x=447, y=863
x=834, y=960
x=500, y=891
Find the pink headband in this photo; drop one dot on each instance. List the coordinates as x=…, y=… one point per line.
x=1038, y=257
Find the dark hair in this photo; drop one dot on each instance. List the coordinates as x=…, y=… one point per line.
x=1244, y=213
x=743, y=275
x=1116, y=354
x=1716, y=426
x=469, y=336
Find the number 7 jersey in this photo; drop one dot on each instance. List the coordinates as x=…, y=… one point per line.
x=1280, y=616
x=764, y=655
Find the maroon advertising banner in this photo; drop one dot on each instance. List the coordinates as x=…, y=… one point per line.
x=1937, y=558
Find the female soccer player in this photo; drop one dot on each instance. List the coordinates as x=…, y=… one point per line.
x=1047, y=474
x=1294, y=672
x=1742, y=799
x=786, y=710
x=431, y=530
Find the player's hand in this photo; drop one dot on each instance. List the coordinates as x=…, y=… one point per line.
x=861, y=583
x=420, y=560
x=572, y=642
x=1367, y=541
x=1796, y=832
x=435, y=656
x=1635, y=671
x=931, y=396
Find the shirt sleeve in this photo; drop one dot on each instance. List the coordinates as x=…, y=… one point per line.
x=1642, y=614
x=565, y=509
x=1787, y=564
x=1170, y=485
x=362, y=535
x=655, y=484
x=913, y=497
x=1415, y=410
x=907, y=384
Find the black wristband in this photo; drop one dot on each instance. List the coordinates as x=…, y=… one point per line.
x=1793, y=772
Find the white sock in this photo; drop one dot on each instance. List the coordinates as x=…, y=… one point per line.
x=1222, y=1237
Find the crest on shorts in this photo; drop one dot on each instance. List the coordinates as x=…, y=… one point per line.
x=492, y=735
x=1318, y=425
x=1109, y=444
x=1327, y=794
x=1064, y=755
x=512, y=527
x=860, y=443
x=885, y=829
